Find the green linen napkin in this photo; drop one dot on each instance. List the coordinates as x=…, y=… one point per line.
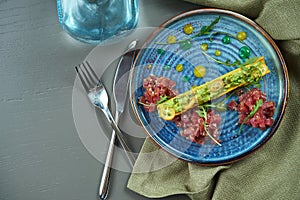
x=273, y=171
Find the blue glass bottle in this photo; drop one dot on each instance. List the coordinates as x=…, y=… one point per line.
x=97, y=21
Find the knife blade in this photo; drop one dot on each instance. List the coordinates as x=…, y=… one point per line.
x=120, y=90
x=121, y=79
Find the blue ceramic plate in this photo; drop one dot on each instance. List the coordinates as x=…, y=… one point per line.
x=159, y=58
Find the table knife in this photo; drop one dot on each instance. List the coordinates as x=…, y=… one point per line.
x=120, y=90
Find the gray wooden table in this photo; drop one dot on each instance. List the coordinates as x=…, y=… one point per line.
x=41, y=155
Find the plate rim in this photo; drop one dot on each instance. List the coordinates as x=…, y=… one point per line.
x=258, y=28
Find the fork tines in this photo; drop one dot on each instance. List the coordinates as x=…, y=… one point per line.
x=87, y=75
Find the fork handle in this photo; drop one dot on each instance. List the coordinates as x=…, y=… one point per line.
x=127, y=150
x=104, y=184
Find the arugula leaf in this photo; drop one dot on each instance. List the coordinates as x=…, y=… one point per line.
x=209, y=135
x=226, y=63
x=209, y=28
x=257, y=105
x=206, y=30
x=202, y=112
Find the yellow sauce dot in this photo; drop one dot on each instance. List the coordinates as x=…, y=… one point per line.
x=217, y=52
x=241, y=35
x=188, y=29
x=171, y=39
x=149, y=66
x=199, y=71
x=179, y=67
x=204, y=46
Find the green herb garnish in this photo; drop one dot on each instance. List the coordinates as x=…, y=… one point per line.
x=226, y=63
x=207, y=29
x=162, y=99
x=202, y=112
x=257, y=105
x=204, y=31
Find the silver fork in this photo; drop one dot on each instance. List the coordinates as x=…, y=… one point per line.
x=98, y=96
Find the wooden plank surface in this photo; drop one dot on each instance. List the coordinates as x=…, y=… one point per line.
x=41, y=156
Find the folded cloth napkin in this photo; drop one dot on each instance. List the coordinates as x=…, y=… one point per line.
x=272, y=172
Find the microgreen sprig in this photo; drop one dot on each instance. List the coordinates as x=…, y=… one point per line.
x=226, y=63
x=202, y=112
x=257, y=105
x=162, y=99
x=206, y=30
